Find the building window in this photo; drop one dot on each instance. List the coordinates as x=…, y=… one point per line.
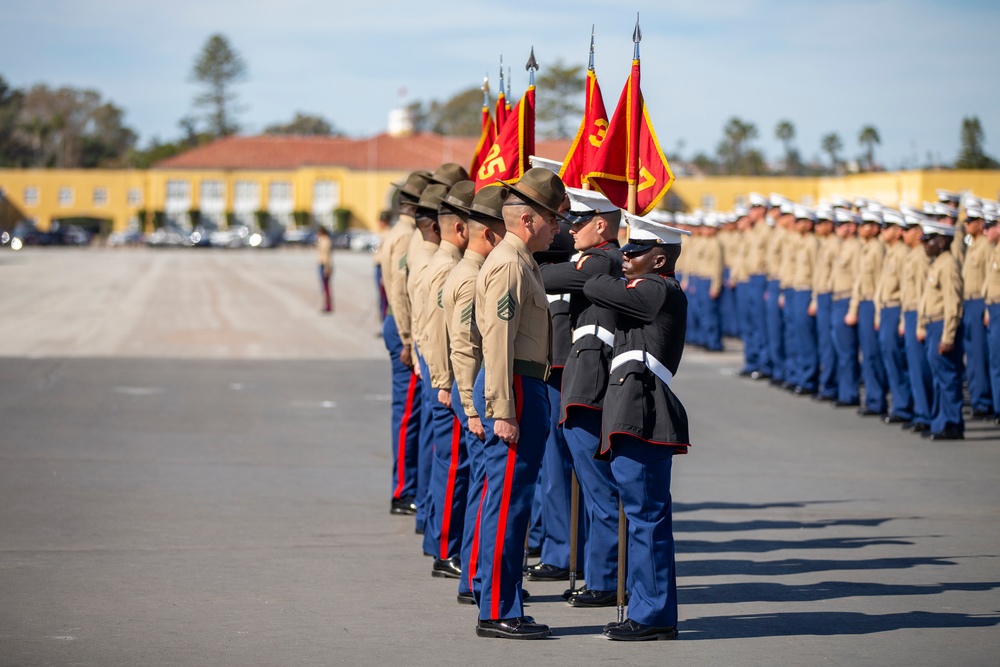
x=741, y=201
x=31, y=195
x=65, y=196
x=213, y=190
x=708, y=202
x=178, y=190
x=100, y=196
x=279, y=198
x=134, y=197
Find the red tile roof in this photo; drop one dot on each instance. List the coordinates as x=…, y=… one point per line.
x=381, y=153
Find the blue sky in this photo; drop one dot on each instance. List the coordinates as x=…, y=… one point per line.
x=912, y=68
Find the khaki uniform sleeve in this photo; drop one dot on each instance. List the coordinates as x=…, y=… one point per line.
x=958, y=246
x=399, y=298
x=951, y=291
x=463, y=336
x=498, y=312
x=715, y=264
x=852, y=309
x=435, y=348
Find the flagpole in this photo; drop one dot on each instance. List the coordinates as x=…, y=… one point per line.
x=633, y=184
x=584, y=183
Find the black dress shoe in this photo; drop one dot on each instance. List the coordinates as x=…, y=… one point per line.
x=466, y=598
x=546, y=572
x=845, y=404
x=745, y=373
x=821, y=397
x=895, y=419
x=918, y=428
x=450, y=568
x=948, y=434
x=588, y=598
x=523, y=627
x=403, y=506
x=865, y=412
x=803, y=391
x=759, y=375
x=982, y=414
x=630, y=631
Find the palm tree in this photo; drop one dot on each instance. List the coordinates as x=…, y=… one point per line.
x=785, y=132
x=831, y=145
x=869, y=139
x=736, y=134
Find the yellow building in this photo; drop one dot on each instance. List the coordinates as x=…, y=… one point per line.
x=295, y=180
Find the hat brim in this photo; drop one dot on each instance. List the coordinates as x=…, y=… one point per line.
x=579, y=217
x=638, y=248
x=533, y=199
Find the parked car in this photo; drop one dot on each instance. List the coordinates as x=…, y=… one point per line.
x=130, y=237
x=169, y=236
x=235, y=236
x=300, y=236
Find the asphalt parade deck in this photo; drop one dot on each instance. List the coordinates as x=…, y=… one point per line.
x=194, y=470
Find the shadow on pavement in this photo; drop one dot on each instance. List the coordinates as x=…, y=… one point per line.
x=826, y=590
x=683, y=526
x=761, y=546
x=786, y=624
x=695, y=507
x=777, y=568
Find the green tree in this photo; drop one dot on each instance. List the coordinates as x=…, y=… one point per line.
x=732, y=150
x=560, y=93
x=303, y=124
x=14, y=152
x=831, y=145
x=460, y=115
x=219, y=68
x=784, y=131
x=972, y=155
x=869, y=138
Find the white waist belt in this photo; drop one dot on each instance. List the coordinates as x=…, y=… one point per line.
x=557, y=297
x=606, y=336
x=651, y=362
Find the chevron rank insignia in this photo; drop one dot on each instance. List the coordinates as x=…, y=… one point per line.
x=634, y=282
x=506, y=307
x=440, y=305
x=402, y=262
x=468, y=313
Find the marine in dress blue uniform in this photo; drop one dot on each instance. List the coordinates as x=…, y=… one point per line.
x=595, y=224
x=644, y=423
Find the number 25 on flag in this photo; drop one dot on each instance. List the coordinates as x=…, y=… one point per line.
x=493, y=164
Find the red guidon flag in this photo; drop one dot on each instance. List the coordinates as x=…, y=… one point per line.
x=486, y=139
x=502, y=109
x=580, y=159
x=631, y=155
x=507, y=158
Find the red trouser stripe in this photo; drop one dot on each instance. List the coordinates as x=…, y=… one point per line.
x=508, y=480
x=404, y=426
x=474, y=556
x=449, y=492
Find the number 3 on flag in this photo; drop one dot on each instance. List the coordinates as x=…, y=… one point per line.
x=493, y=164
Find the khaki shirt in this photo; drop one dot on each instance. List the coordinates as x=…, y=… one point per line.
x=942, y=298
x=958, y=243
x=914, y=278
x=977, y=259
x=991, y=284
x=394, y=273
x=324, y=249
x=775, y=246
x=889, y=291
x=846, y=266
x=823, y=273
x=789, y=256
x=463, y=334
x=804, y=265
x=730, y=241
x=712, y=262
x=756, y=253
x=418, y=257
x=738, y=259
x=869, y=270
x=513, y=316
x=435, y=347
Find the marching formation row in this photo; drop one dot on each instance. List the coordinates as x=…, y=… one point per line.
x=912, y=290
x=527, y=345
